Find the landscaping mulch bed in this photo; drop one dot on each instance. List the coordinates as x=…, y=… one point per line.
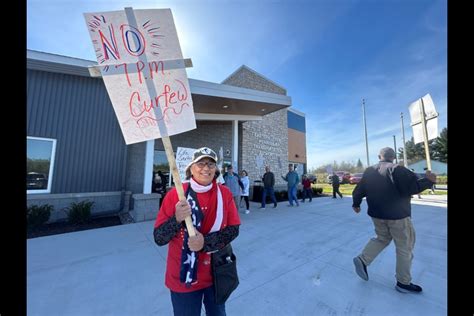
x=65, y=227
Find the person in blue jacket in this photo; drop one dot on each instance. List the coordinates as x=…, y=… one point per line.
x=293, y=179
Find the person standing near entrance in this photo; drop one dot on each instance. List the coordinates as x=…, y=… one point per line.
x=268, y=180
x=388, y=188
x=335, y=185
x=245, y=191
x=189, y=274
x=292, y=178
x=232, y=181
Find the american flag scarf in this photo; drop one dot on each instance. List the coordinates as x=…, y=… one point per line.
x=189, y=259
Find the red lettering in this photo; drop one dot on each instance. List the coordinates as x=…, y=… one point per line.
x=140, y=67
x=133, y=106
x=156, y=66
x=185, y=95
x=172, y=95
x=126, y=72
x=109, y=46
x=166, y=90
x=138, y=107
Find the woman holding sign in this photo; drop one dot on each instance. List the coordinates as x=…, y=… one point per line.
x=188, y=268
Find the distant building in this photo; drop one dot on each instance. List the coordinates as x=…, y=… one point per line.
x=76, y=151
x=440, y=168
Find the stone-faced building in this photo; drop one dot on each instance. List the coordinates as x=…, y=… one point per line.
x=76, y=150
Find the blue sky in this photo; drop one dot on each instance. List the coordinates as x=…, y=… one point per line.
x=329, y=55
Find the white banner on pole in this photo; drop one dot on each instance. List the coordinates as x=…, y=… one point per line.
x=432, y=129
x=430, y=116
x=143, y=70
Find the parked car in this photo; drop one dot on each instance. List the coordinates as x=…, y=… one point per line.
x=344, y=177
x=311, y=177
x=355, y=178
x=36, y=181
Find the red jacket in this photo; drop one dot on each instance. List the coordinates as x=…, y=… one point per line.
x=306, y=183
x=208, y=203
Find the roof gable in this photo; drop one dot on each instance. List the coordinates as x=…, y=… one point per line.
x=246, y=77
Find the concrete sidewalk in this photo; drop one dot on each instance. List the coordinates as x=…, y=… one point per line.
x=291, y=261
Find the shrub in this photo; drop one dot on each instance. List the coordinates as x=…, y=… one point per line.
x=38, y=215
x=317, y=191
x=442, y=180
x=79, y=213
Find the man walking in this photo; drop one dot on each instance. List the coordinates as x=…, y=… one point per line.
x=388, y=188
x=292, y=178
x=268, y=184
x=335, y=185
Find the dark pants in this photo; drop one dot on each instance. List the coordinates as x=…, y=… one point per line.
x=335, y=189
x=189, y=304
x=307, y=193
x=272, y=195
x=246, y=198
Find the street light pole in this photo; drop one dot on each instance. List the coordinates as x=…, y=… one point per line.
x=405, y=163
x=365, y=127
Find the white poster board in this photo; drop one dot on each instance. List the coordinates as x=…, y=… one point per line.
x=184, y=156
x=430, y=116
x=143, y=70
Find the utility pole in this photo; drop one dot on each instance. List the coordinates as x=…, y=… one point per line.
x=395, y=148
x=365, y=127
x=405, y=163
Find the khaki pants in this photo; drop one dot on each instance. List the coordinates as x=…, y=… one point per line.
x=403, y=234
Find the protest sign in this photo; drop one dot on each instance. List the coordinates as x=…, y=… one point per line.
x=144, y=72
x=183, y=157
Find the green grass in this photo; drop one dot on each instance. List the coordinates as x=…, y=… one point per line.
x=346, y=189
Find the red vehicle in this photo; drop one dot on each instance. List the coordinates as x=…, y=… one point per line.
x=355, y=178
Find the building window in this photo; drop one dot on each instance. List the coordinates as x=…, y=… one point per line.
x=40, y=153
x=160, y=163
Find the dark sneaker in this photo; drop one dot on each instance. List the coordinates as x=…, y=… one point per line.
x=361, y=268
x=411, y=288
x=274, y=206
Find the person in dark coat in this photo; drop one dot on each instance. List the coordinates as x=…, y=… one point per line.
x=335, y=185
x=268, y=180
x=387, y=188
